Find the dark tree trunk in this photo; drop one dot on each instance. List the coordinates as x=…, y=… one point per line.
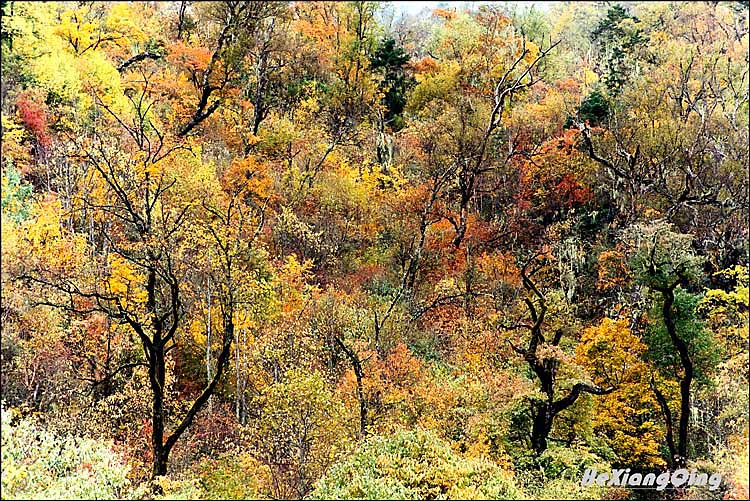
x=259, y=108
x=181, y=20
x=687, y=365
x=157, y=377
x=667, y=421
x=541, y=428
x=359, y=374
x=467, y=187
x=161, y=457
x=362, y=403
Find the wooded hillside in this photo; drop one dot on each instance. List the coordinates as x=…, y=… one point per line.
x=335, y=250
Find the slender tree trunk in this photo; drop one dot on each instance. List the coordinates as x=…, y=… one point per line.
x=243, y=399
x=667, y=421
x=685, y=381
x=359, y=374
x=259, y=110
x=362, y=403
x=237, y=376
x=463, y=218
x=181, y=20
x=208, y=340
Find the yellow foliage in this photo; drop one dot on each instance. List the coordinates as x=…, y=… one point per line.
x=612, y=354
x=125, y=282
x=46, y=227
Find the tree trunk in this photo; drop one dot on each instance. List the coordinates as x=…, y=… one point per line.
x=161, y=457
x=362, y=403
x=259, y=109
x=667, y=421
x=237, y=377
x=157, y=377
x=546, y=370
x=544, y=411
x=687, y=378
x=208, y=337
x=463, y=218
x=181, y=20
x=359, y=374
x=541, y=428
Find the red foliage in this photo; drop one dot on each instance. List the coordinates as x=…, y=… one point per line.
x=361, y=276
x=34, y=117
x=571, y=192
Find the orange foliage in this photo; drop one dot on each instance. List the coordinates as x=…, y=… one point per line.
x=190, y=58
x=249, y=177
x=426, y=65
x=447, y=14
x=612, y=270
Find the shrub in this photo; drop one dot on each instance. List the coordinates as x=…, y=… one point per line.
x=414, y=465
x=37, y=464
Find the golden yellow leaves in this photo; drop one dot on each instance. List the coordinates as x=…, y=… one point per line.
x=47, y=227
x=376, y=181
x=611, y=352
x=87, y=27
x=76, y=29
x=122, y=21
x=42, y=240
x=498, y=266
x=14, y=148
x=612, y=355
x=630, y=419
x=125, y=281
x=248, y=177
x=727, y=312
x=291, y=284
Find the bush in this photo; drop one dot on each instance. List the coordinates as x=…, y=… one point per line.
x=37, y=464
x=234, y=475
x=414, y=465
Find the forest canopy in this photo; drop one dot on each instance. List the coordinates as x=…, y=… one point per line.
x=348, y=250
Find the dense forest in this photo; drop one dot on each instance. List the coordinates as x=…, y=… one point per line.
x=350, y=250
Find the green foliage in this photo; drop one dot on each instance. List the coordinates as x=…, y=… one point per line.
x=701, y=344
x=594, y=110
x=234, y=475
x=16, y=194
x=569, y=463
x=531, y=22
x=391, y=60
x=299, y=432
x=169, y=488
x=618, y=35
x=38, y=464
x=557, y=473
x=434, y=88
x=414, y=465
